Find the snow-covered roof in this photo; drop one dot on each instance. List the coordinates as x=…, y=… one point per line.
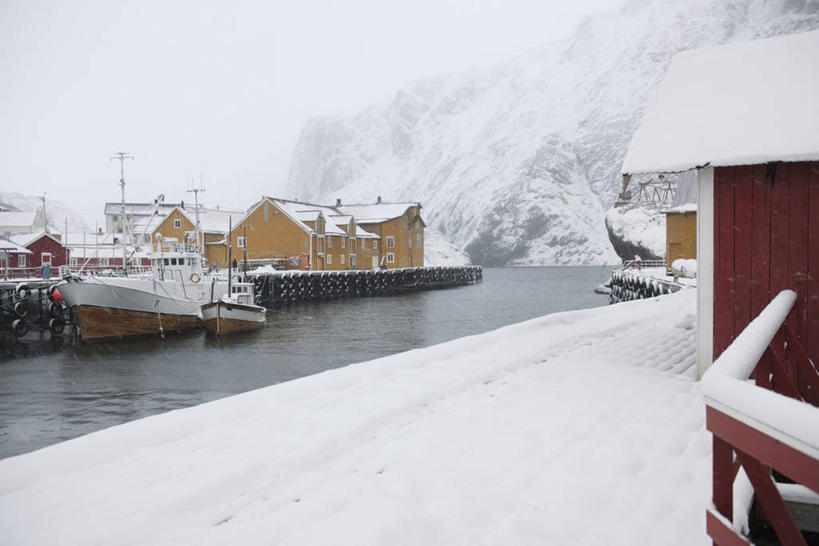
x=216, y=220
x=376, y=212
x=361, y=233
x=12, y=247
x=735, y=104
x=17, y=218
x=25, y=239
x=139, y=209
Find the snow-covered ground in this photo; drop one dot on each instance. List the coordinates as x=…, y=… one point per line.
x=584, y=427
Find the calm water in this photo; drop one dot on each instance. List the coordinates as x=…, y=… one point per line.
x=53, y=392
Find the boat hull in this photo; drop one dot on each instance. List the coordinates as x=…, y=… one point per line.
x=120, y=308
x=108, y=323
x=221, y=317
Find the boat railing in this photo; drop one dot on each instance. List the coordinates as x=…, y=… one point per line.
x=764, y=428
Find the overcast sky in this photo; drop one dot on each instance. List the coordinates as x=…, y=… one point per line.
x=222, y=89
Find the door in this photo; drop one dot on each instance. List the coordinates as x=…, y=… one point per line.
x=375, y=262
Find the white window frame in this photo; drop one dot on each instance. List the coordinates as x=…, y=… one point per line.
x=329, y=241
x=375, y=244
x=43, y=256
x=341, y=259
x=363, y=244
x=409, y=242
x=177, y=223
x=21, y=260
x=418, y=240
x=390, y=241
x=74, y=262
x=104, y=262
x=343, y=242
x=390, y=257
x=329, y=259
x=241, y=242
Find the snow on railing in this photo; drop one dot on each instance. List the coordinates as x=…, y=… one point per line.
x=758, y=429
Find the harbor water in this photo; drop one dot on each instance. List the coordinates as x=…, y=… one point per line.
x=52, y=391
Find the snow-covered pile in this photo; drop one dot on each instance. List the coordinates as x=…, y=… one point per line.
x=637, y=228
x=682, y=267
x=517, y=163
x=566, y=429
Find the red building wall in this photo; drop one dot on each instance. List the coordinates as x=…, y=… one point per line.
x=766, y=239
x=46, y=244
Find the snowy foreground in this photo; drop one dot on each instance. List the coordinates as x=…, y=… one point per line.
x=584, y=427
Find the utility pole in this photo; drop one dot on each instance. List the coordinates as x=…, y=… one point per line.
x=195, y=191
x=45, y=217
x=122, y=156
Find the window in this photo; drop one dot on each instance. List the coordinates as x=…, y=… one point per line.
x=45, y=258
x=341, y=259
x=329, y=242
x=240, y=242
x=418, y=240
x=104, y=262
x=363, y=244
x=73, y=262
x=390, y=242
x=21, y=260
x=329, y=259
x=409, y=242
x=390, y=258
x=352, y=245
x=177, y=223
x=343, y=243
x=375, y=244
x=167, y=261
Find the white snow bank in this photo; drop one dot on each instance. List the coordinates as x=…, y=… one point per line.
x=683, y=267
x=566, y=429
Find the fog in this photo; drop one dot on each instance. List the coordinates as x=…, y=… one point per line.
x=219, y=91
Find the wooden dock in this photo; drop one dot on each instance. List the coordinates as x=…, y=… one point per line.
x=287, y=287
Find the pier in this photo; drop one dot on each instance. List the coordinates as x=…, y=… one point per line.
x=288, y=287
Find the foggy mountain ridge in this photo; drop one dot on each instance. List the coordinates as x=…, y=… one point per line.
x=57, y=212
x=518, y=163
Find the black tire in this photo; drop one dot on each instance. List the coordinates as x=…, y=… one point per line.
x=55, y=309
x=19, y=327
x=56, y=325
x=20, y=309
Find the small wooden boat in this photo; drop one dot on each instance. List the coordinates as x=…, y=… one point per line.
x=234, y=312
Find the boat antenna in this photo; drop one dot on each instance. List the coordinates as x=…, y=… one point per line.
x=230, y=252
x=195, y=191
x=121, y=157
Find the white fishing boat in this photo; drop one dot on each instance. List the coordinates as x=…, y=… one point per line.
x=121, y=307
x=234, y=312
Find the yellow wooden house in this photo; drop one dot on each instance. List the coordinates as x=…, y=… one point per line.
x=399, y=227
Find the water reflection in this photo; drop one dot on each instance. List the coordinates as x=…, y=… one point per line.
x=53, y=391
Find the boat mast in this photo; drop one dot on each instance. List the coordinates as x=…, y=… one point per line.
x=230, y=252
x=122, y=156
x=195, y=191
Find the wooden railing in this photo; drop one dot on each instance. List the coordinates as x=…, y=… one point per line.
x=769, y=424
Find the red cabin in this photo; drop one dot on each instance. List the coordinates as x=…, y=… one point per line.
x=745, y=117
x=45, y=248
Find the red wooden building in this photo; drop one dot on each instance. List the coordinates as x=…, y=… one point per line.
x=44, y=247
x=745, y=116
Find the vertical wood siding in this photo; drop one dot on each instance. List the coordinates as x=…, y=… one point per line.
x=766, y=239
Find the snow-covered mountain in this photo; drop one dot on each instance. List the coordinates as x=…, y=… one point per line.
x=57, y=213
x=518, y=163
